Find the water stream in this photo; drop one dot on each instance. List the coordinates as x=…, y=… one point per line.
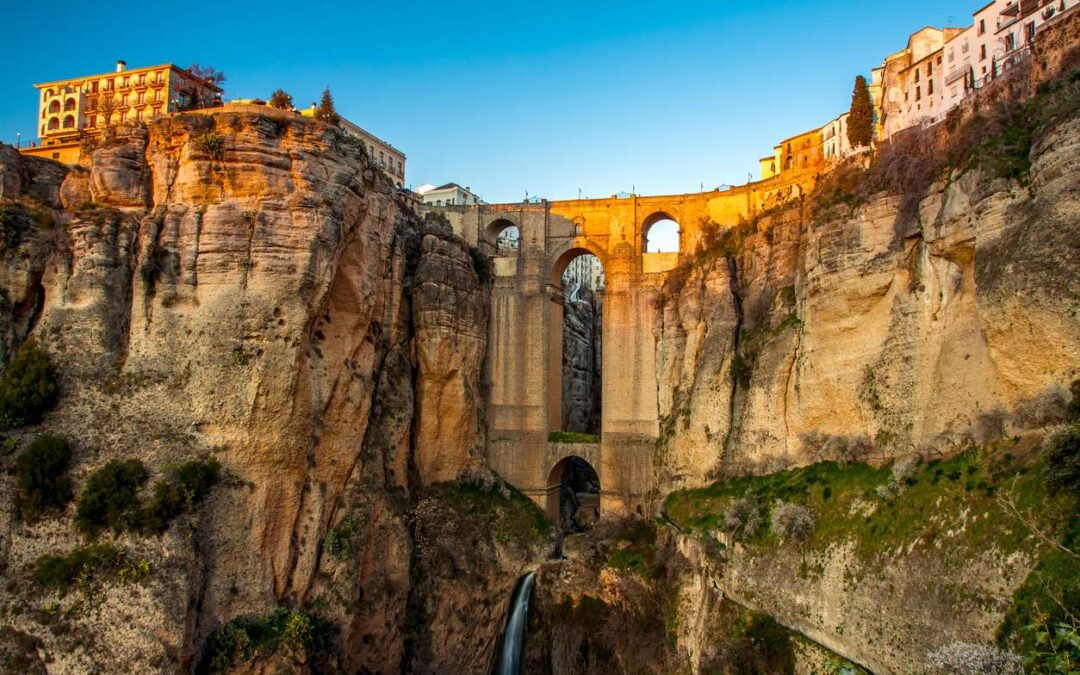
x=511, y=659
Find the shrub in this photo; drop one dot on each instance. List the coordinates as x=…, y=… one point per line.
x=179, y=491
x=281, y=100
x=1061, y=453
x=342, y=540
x=287, y=632
x=791, y=521
x=904, y=470
x=110, y=498
x=961, y=658
x=41, y=476
x=1057, y=649
x=1073, y=410
x=28, y=388
x=15, y=221
x=744, y=518
x=211, y=144
x=87, y=565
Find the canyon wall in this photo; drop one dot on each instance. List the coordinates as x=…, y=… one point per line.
x=250, y=287
x=581, y=362
x=874, y=333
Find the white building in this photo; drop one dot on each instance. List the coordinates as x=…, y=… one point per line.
x=834, y=138
x=450, y=194
x=585, y=270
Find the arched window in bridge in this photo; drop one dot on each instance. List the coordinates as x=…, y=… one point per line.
x=661, y=234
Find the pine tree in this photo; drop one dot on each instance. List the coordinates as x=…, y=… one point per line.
x=860, y=126
x=325, y=111
x=281, y=100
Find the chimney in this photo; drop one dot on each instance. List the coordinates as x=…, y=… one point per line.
x=121, y=66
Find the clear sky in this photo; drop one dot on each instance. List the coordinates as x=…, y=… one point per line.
x=550, y=98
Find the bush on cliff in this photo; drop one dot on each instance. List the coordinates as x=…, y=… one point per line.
x=110, y=498
x=284, y=632
x=178, y=492
x=41, y=472
x=86, y=567
x=28, y=388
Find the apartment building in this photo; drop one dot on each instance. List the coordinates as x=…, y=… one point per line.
x=72, y=109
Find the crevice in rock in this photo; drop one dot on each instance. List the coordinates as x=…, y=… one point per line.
x=737, y=364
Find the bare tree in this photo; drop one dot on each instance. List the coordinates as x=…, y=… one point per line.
x=203, y=89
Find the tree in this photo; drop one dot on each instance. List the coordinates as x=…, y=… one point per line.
x=860, y=126
x=202, y=91
x=281, y=100
x=325, y=110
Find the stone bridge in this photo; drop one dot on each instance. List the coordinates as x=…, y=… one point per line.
x=523, y=373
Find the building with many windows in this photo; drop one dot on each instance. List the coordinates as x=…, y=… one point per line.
x=76, y=108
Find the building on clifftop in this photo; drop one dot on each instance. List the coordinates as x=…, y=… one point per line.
x=75, y=109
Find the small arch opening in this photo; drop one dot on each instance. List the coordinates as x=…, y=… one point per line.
x=504, y=235
x=661, y=234
x=54, y=123
x=69, y=122
x=69, y=104
x=573, y=495
x=54, y=106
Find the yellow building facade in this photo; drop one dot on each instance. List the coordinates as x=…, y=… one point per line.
x=74, y=109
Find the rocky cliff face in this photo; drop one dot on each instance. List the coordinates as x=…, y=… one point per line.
x=249, y=287
x=875, y=333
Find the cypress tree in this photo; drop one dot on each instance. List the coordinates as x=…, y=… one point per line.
x=860, y=126
x=325, y=111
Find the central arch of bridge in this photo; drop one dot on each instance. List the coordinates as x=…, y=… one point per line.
x=531, y=244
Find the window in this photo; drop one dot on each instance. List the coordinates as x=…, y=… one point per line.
x=982, y=54
x=918, y=93
x=930, y=88
x=127, y=80
x=93, y=87
x=1029, y=31
x=918, y=75
x=930, y=69
x=91, y=121
x=69, y=122
x=982, y=28
x=1010, y=42
x=140, y=98
x=142, y=79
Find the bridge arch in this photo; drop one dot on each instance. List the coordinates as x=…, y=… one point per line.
x=564, y=255
x=668, y=229
x=572, y=500
x=502, y=234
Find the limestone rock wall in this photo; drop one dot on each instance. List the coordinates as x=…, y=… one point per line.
x=875, y=334
x=249, y=287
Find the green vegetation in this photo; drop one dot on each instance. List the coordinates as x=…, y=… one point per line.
x=110, y=498
x=845, y=502
x=860, y=126
x=178, y=492
x=635, y=550
x=29, y=388
x=572, y=437
x=1062, y=457
x=87, y=567
x=497, y=509
x=326, y=111
x=41, y=476
x=281, y=100
x=286, y=632
x=760, y=645
x=211, y=144
x=344, y=538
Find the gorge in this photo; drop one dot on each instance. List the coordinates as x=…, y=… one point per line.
x=821, y=425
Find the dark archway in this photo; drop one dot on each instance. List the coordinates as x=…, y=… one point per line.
x=575, y=368
x=503, y=235
x=573, y=495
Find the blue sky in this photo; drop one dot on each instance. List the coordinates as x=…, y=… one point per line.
x=551, y=98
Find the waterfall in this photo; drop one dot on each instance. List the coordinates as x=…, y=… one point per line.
x=512, y=652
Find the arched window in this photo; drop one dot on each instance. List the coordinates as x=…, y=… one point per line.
x=69, y=122
x=661, y=233
x=54, y=107
x=69, y=104
x=54, y=123
x=48, y=92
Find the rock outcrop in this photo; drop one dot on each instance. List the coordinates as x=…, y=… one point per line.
x=250, y=287
x=872, y=334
